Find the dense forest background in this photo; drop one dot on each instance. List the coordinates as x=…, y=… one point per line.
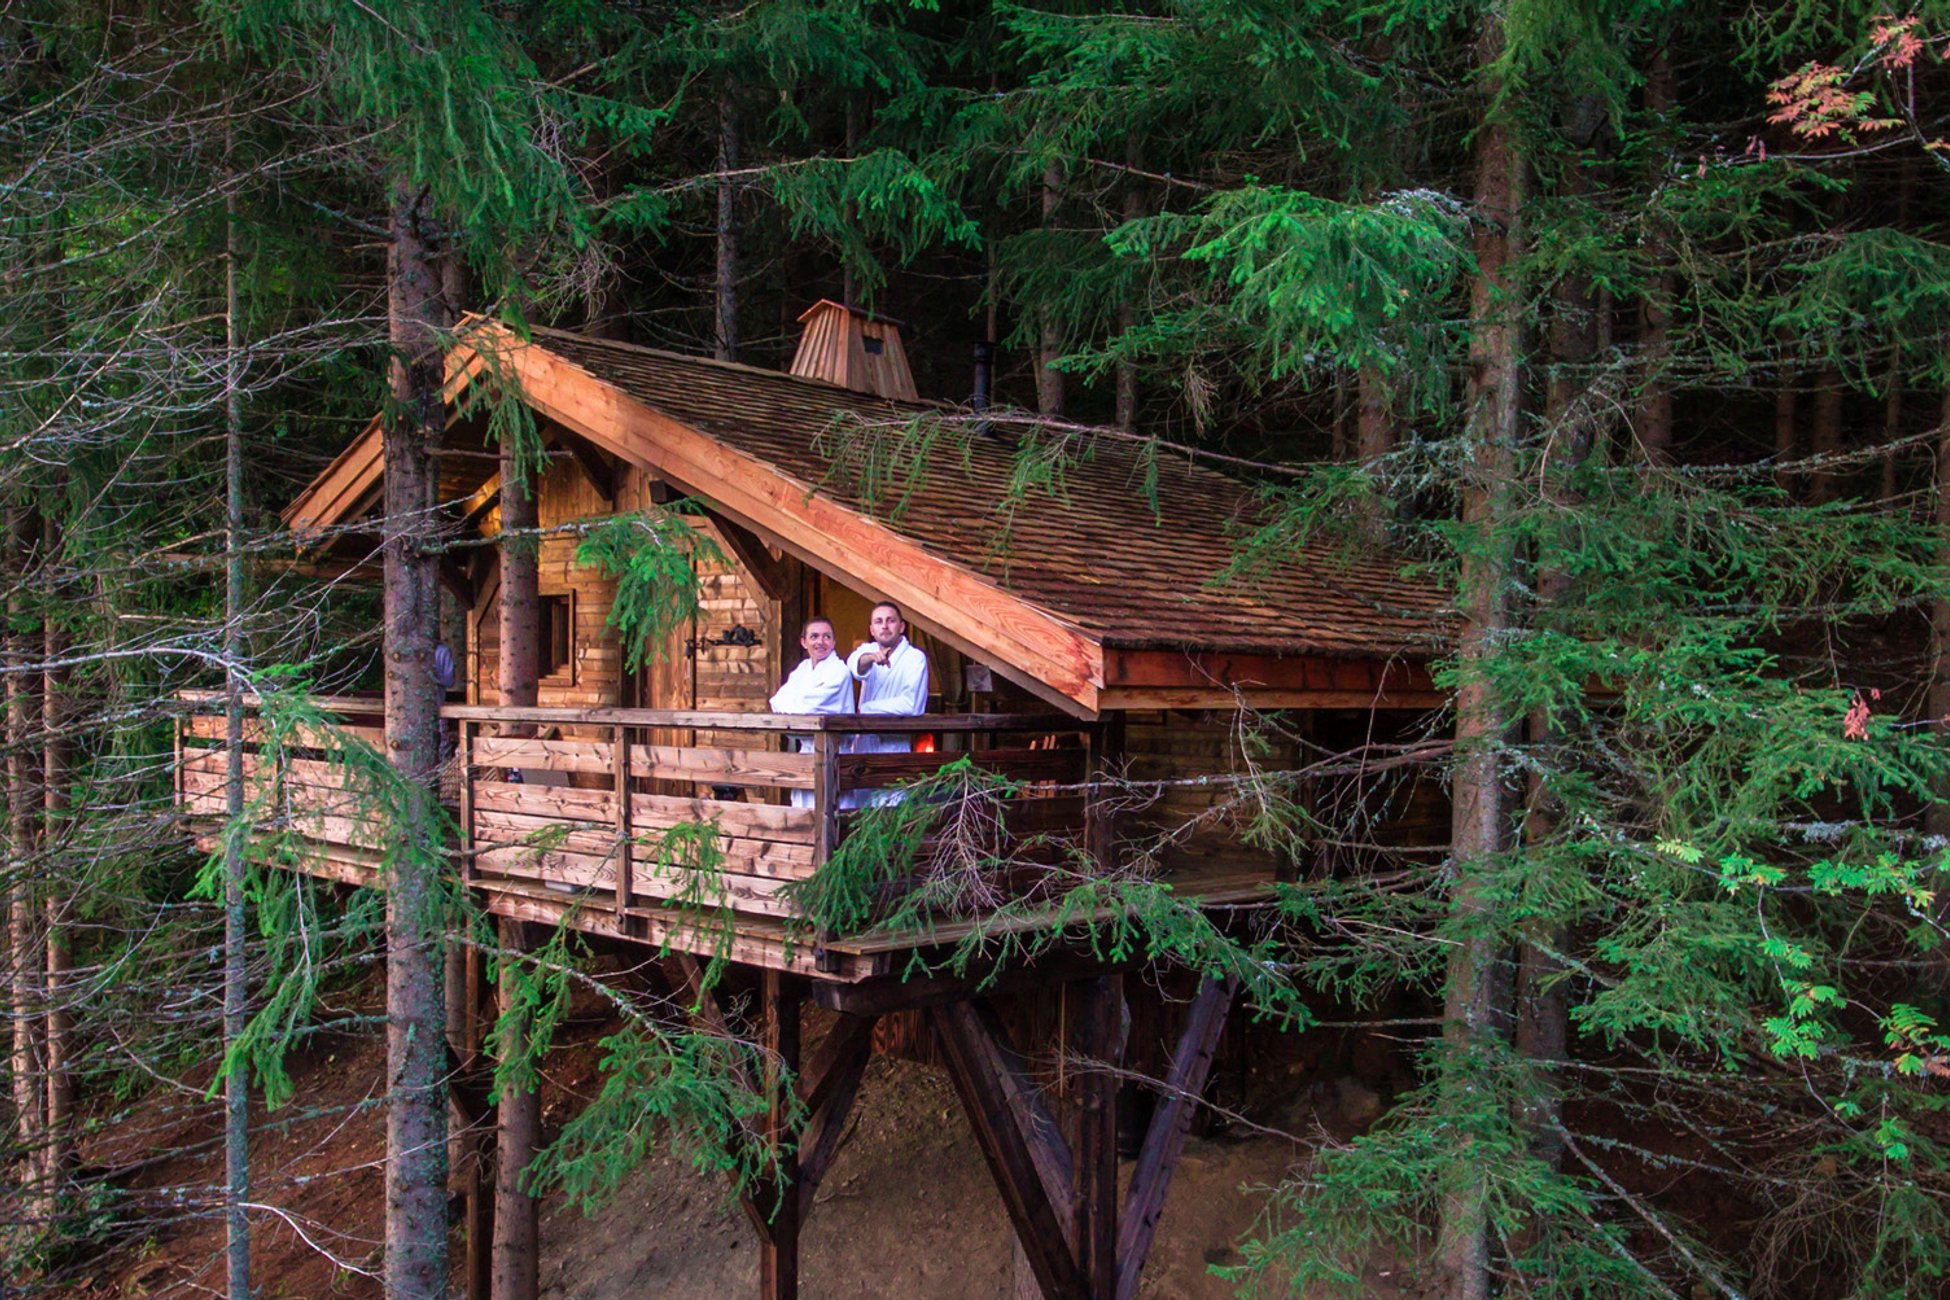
x=1629, y=322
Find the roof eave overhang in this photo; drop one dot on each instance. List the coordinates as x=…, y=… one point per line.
x=1030, y=645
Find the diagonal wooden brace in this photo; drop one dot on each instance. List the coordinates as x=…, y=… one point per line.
x=1164, y=1141
x=1024, y=1149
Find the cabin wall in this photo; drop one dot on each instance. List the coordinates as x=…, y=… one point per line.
x=1179, y=744
x=593, y=677
x=702, y=665
x=1394, y=810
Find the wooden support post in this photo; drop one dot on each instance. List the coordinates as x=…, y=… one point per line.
x=1096, y=1025
x=773, y=576
x=464, y=744
x=595, y=467
x=1165, y=1140
x=1107, y=761
x=625, y=846
x=826, y=814
x=826, y=796
x=779, y=1252
x=828, y=1087
x=1025, y=1154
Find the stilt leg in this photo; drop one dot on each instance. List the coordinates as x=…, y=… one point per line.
x=1096, y=1029
x=1151, y=1180
x=779, y=1250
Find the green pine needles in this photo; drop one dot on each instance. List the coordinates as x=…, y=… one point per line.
x=652, y=556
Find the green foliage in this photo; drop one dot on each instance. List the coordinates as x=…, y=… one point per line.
x=454, y=97
x=279, y=851
x=1375, y=1197
x=652, y=556
x=940, y=849
x=687, y=1088
x=536, y=989
x=881, y=198
x=1308, y=284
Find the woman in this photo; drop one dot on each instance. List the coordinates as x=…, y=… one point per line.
x=820, y=684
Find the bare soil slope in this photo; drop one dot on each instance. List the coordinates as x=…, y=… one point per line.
x=907, y=1210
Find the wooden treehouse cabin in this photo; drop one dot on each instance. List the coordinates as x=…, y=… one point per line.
x=1072, y=632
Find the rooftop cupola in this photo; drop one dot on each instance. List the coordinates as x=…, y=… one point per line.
x=853, y=349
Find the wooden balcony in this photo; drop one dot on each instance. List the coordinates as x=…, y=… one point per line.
x=594, y=819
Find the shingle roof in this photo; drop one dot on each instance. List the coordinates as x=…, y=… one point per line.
x=1093, y=552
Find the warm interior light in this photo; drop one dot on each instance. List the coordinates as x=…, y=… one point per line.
x=924, y=743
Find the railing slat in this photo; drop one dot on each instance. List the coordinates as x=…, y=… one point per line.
x=726, y=720
x=723, y=766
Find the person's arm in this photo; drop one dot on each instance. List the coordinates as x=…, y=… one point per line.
x=788, y=698
x=854, y=661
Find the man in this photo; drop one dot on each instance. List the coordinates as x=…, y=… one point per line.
x=893, y=677
x=820, y=684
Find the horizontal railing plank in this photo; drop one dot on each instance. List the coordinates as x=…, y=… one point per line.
x=544, y=755
x=209, y=727
x=757, y=820
x=769, y=858
x=722, y=766
x=740, y=893
x=559, y=802
x=867, y=771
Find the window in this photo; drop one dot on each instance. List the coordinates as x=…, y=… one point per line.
x=558, y=629
x=873, y=345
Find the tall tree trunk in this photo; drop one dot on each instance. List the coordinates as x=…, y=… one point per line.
x=1892, y=424
x=1374, y=415
x=23, y=779
x=1892, y=384
x=725, y=334
x=1480, y=817
x=1049, y=344
x=1826, y=436
x=1936, y=816
x=1654, y=424
x=518, y=669
x=1127, y=375
x=849, y=291
x=1541, y=1011
x=1785, y=442
x=416, y=1114
x=517, y=1254
x=236, y=968
x=55, y=757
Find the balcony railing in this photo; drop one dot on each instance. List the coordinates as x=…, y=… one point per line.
x=606, y=803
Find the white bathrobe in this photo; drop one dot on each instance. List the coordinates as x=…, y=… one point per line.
x=898, y=690
x=823, y=687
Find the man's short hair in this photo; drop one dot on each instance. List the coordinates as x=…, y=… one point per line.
x=888, y=604
x=806, y=626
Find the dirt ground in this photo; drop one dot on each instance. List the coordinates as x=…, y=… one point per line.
x=906, y=1210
